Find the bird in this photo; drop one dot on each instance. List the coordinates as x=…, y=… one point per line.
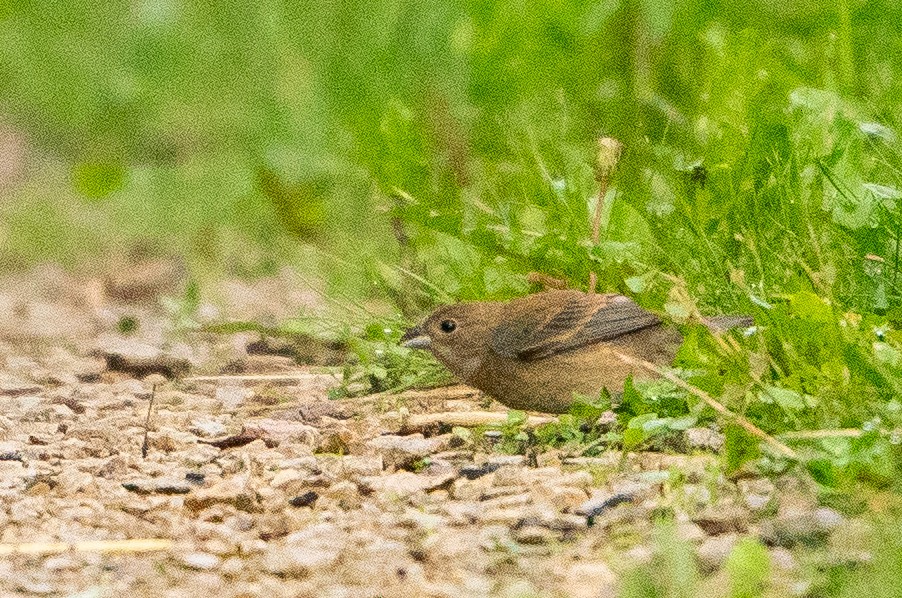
x=533, y=353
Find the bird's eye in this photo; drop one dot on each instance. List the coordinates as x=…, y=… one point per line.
x=448, y=325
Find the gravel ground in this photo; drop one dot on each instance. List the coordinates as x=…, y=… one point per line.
x=265, y=487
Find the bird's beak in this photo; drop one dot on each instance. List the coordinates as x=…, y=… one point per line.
x=415, y=338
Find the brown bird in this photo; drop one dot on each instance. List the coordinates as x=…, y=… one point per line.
x=533, y=353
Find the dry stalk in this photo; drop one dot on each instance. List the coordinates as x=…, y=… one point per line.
x=609, y=150
x=105, y=546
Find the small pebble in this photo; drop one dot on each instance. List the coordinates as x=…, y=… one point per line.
x=304, y=500
x=201, y=561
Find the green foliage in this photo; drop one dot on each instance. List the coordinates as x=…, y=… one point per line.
x=96, y=180
x=740, y=446
x=580, y=430
x=748, y=567
x=514, y=437
x=880, y=578
x=672, y=572
x=382, y=365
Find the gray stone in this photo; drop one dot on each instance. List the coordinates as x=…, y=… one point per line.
x=722, y=519
x=503, y=516
x=305, y=551
x=13, y=387
x=515, y=460
x=62, y=563
x=757, y=493
x=690, y=532
x=602, y=501
x=140, y=358
x=232, y=395
x=232, y=567
x=403, y=484
x=589, y=579
x=828, y=519
x=794, y=527
x=560, y=522
x=344, y=493
x=71, y=481
x=207, y=428
x=713, y=552
x=39, y=588
x=403, y=451
x=277, y=431
x=534, y=534
x=284, y=477
x=783, y=559
x=237, y=492
x=416, y=519
x=696, y=496
x=200, y=561
x=473, y=471
x=704, y=439
x=640, y=554
x=350, y=466
x=158, y=486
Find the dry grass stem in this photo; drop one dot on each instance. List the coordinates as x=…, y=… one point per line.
x=608, y=156
x=105, y=546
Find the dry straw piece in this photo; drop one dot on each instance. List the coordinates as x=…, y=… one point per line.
x=105, y=546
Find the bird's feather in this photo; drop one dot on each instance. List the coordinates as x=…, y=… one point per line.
x=567, y=320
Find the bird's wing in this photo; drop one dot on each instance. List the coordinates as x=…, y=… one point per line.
x=558, y=321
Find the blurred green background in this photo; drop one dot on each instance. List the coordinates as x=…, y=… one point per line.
x=414, y=153
x=400, y=148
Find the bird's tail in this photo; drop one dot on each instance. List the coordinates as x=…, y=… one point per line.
x=721, y=323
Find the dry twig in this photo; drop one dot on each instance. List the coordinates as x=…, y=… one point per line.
x=255, y=377
x=106, y=546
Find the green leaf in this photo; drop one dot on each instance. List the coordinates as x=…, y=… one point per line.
x=787, y=399
x=587, y=411
x=740, y=447
x=809, y=306
x=97, y=180
x=636, y=283
x=632, y=402
x=887, y=354
x=748, y=567
x=677, y=311
x=682, y=423
x=516, y=418
x=639, y=422
x=823, y=471
x=632, y=438
x=656, y=426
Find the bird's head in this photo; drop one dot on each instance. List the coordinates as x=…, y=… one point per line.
x=460, y=336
